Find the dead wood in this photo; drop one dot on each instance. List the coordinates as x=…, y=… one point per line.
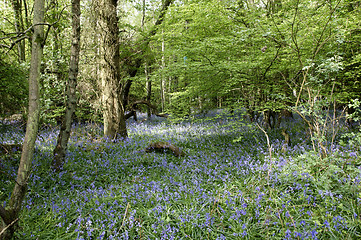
x=287, y=140
x=164, y=146
x=287, y=137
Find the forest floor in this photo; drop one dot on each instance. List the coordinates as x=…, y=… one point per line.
x=227, y=186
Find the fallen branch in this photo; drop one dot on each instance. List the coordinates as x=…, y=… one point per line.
x=163, y=146
x=12, y=223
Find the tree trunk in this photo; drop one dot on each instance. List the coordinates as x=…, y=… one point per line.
x=162, y=80
x=149, y=90
x=139, y=61
x=115, y=96
x=113, y=111
x=65, y=130
x=146, y=72
x=266, y=119
x=11, y=214
x=19, y=27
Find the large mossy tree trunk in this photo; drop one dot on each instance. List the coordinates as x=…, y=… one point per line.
x=113, y=110
x=65, y=130
x=11, y=213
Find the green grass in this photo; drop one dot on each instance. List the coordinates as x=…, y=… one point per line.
x=226, y=187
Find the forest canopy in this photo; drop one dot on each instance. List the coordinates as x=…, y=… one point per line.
x=203, y=54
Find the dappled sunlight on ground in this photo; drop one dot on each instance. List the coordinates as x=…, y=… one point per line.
x=226, y=187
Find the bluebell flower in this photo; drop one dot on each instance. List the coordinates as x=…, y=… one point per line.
x=326, y=223
x=353, y=154
x=288, y=234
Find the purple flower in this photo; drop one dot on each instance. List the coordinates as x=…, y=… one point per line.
x=353, y=154
x=326, y=223
x=288, y=234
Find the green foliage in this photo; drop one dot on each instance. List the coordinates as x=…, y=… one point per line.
x=353, y=139
x=260, y=57
x=218, y=53
x=53, y=83
x=52, y=99
x=324, y=174
x=13, y=88
x=351, y=83
x=180, y=104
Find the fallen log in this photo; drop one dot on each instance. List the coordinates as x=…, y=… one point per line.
x=164, y=146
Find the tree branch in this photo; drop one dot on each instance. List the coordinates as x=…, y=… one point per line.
x=160, y=19
x=21, y=35
x=12, y=223
x=133, y=109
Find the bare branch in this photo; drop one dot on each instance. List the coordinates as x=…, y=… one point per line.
x=19, y=36
x=12, y=223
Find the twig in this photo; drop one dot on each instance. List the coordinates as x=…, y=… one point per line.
x=21, y=35
x=125, y=215
x=268, y=141
x=12, y=223
x=269, y=150
x=5, y=173
x=188, y=236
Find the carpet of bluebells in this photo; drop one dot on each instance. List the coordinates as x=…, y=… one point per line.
x=228, y=186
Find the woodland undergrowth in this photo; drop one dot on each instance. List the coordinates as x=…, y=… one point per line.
x=228, y=186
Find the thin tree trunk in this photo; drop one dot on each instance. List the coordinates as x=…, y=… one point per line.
x=146, y=41
x=19, y=27
x=143, y=15
x=162, y=80
x=146, y=71
x=11, y=214
x=113, y=111
x=65, y=130
x=169, y=89
x=149, y=90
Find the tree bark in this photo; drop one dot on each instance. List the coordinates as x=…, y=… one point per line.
x=113, y=111
x=162, y=80
x=146, y=71
x=149, y=90
x=19, y=27
x=65, y=130
x=14, y=207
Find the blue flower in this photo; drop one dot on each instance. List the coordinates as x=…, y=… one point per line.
x=288, y=234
